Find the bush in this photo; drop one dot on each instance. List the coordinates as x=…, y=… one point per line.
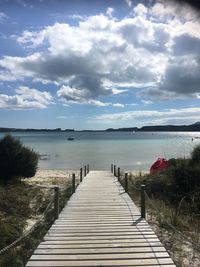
x=195, y=155
x=16, y=160
x=182, y=175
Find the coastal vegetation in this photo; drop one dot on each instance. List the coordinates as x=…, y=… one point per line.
x=173, y=201
x=24, y=215
x=16, y=160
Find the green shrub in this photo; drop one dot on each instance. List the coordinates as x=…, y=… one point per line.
x=16, y=160
x=181, y=175
x=195, y=155
x=186, y=175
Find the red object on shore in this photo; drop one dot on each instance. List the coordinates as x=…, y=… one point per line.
x=158, y=165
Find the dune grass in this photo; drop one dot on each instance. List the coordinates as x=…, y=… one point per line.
x=175, y=200
x=21, y=205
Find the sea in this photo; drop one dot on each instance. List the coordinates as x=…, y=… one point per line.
x=128, y=150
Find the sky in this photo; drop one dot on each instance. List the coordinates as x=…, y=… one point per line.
x=88, y=64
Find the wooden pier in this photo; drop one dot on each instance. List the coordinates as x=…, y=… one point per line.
x=100, y=226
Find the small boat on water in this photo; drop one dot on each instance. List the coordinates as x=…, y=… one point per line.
x=70, y=138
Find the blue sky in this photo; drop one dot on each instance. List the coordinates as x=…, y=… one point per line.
x=98, y=64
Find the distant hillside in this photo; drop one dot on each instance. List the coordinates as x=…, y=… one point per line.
x=171, y=128
x=162, y=128
x=6, y=130
x=122, y=129
x=156, y=128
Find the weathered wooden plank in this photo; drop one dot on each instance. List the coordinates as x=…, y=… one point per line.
x=71, y=251
x=100, y=227
x=97, y=238
x=111, y=230
x=100, y=241
x=94, y=224
x=98, y=216
x=111, y=256
x=129, y=245
x=133, y=262
x=102, y=234
x=124, y=242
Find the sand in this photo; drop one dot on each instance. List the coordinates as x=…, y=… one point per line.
x=51, y=177
x=61, y=176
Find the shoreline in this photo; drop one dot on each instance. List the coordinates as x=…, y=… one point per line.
x=61, y=176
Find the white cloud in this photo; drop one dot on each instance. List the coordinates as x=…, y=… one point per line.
x=103, y=104
x=3, y=16
x=129, y=2
x=162, y=10
x=174, y=9
x=97, y=47
x=109, y=11
x=147, y=102
x=150, y=116
x=31, y=39
x=127, y=116
x=62, y=117
x=26, y=98
x=71, y=95
x=101, y=54
x=118, y=105
x=140, y=10
x=132, y=104
x=78, y=17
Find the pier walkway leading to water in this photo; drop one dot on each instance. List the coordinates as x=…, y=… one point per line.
x=100, y=226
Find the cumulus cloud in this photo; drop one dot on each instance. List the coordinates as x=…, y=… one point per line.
x=109, y=11
x=182, y=77
x=79, y=96
x=26, y=98
x=140, y=51
x=71, y=94
x=86, y=60
x=174, y=9
x=186, y=45
x=140, y=9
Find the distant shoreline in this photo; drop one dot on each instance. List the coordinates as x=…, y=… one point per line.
x=157, y=128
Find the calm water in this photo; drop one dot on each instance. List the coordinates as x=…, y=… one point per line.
x=128, y=150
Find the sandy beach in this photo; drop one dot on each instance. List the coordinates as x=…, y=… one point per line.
x=62, y=176
x=51, y=177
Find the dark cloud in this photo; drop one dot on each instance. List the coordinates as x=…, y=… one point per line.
x=186, y=44
x=137, y=34
x=182, y=74
x=56, y=67
x=131, y=33
x=161, y=37
x=131, y=73
x=77, y=71
x=182, y=77
x=193, y=3
x=91, y=84
x=156, y=94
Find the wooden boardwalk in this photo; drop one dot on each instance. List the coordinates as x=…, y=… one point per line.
x=100, y=226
